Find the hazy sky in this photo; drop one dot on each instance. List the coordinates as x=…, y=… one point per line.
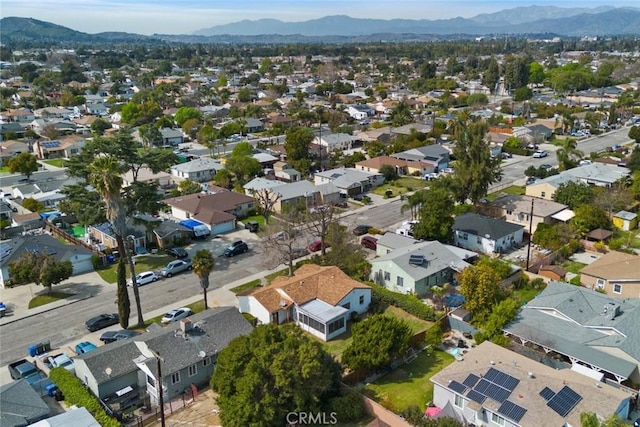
x=187, y=16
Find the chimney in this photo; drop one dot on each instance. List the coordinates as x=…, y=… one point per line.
x=185, y=325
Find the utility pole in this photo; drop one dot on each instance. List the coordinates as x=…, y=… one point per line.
x=530, y=234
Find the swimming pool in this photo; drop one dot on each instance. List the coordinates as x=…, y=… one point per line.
x=455, y=351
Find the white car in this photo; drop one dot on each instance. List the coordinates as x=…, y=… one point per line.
x=144, y=278
x=540, y=154
x=176, y=314
x=430, y=176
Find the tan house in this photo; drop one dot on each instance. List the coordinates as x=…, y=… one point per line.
x=318, y=299
x=65, y=147
x=518, y=210
x=615, y=273
x=403, y=167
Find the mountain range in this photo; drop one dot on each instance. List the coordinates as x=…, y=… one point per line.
x=548, y=20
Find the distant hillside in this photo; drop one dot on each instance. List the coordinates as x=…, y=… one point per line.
x=523, y=14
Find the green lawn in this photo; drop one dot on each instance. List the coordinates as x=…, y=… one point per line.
x=270, y=277
x=4, y=169
x=246, y=286
x=523, y=296
x=143, y=263
x=55, y=162
x=630, y=238
x=515, y=190
x=337, y=346
x=259, y=219
x=409, y=385
x=53, y=296
x=417, y=325
x=401, y=186
x=573, y=267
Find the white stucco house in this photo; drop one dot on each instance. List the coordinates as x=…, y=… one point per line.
x=486, y=235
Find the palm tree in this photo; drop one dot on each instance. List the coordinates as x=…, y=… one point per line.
x=104, y=176
x=203, y=264
x=413, y=205
x=568, y=154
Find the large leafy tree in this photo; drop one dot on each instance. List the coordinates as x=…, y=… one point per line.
x=376, y=342
x=273, y=371
x=345, y=252
x=242, y=163
x=203, y=264
x=297, y=145
x=614, y=198
x=186, y=113
x=588, y=218
x=436, y=216
x=23, y=163
x=476, y=170
x=401, y=114
x=574, y=194
x=480, y=285
x=41, y=269
x=87, y=206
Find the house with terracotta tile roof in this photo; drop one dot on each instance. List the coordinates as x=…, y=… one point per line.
x=318, y=299
x=614, y=273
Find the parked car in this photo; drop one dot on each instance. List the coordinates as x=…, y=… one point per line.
x=101, y=321
x=299, y=252
x=506, y=155
x=369, y=242
x=636, y=423
x=144, y=278
x=546, y=166
x=85, y=347
x=585, y=162
x=540, y=154
x=236, y=248
x=361, y=229
x=177, y=253
x=530, y=180
x=175, y=267
x=430, y=176
x=532, y=146
x=176, y=314
x=252, y=226
x=316, y=245
x=113, y=336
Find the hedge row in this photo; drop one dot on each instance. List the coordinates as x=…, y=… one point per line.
x=75, y=393
x=409, y=303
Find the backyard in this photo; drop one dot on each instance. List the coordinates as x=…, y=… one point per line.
x=409, y=385
x=514, y=190
x=142, y=263
x=401, y=185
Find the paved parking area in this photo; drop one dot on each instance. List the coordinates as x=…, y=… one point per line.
x=585, y=257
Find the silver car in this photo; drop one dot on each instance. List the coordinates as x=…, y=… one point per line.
x=144, y=278
x=176, y=314
x=176, y=266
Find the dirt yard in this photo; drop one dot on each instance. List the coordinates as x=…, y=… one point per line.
x=201, y=413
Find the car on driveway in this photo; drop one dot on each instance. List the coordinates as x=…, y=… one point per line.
x=177, y=253
x=369, y=242
x=540, y=154
x=101, y=322
x=361, y=230
x=531, y=180
x=236, y=248
x=506, y=155
x=316, y=245
x=85, y=347
x=431, y=176
x=176, y=314
x=144, y=278
x=113, y=336
x=175, y=267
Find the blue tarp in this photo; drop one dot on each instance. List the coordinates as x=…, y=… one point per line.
x=199, y=228
x=453, y=300
x=47, y=215
x=190, y=223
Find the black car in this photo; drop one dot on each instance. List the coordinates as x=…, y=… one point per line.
x=237, y=247
x=361, y=229
x=177, y=253
x=101, y=321
x=113, y=336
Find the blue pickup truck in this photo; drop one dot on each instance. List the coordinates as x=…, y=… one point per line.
x=25, y=370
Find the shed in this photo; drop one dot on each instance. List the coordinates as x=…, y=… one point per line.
x=625, y=220
x=553, y=272
x=599, y=235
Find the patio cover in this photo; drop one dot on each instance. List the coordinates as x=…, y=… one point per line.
x=564, y=215
x=322, y=311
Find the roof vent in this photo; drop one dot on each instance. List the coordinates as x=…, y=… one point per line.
x=530, y=375
x=185, y=325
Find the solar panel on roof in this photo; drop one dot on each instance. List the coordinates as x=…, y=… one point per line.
x=502, y=379
x=512, y=411
x=416, y=259
x=471, y=380
x=547, y=393
x=491, y=374
x=497, y=393
x=457, y=387
x=476, y=397
x=564, y=401
x=482, y=386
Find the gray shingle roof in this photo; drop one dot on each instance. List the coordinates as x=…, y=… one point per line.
x=217, y=327
x=199, y=165
x=20, y=404
x=593, y=173
x=480, y=225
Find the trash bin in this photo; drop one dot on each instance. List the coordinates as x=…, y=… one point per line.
x=33, y=350
x=3, y=309
x=51, y=390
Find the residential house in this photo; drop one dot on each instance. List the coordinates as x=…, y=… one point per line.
x=218, y=211
x=171, y=137
x=21, y=405
x=492, y=385
x=19, y=115
x=349, y=181
x=615, y=273
x=318, y=299
x=435, y=155
x=75, y=417
x=285, y=172
x=486, y=235
x=594, y=174
x=596, y=333
x=540, y=132
x=389, y=242
x=416, y=268
x=202, y=169
x=331, y=142
x=17, y=129
x=104, y=236
x=527, y=211
x=625, y=220
x=259, y=184
x=265, y=159
x=65, y=147
x=189, y=351
x=360, y=111
x=169, y=233
x=43, y=244
x=402, y=167
x=146, y=176
x=11, y=148
x=53, y=113
x=253, y=125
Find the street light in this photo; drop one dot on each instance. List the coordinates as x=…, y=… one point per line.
x=147, y=353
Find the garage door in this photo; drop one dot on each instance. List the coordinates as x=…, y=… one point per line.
x=223, y=227
x=82, y=266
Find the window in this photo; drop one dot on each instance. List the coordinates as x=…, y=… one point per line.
x=347, y=306
x=387, y=275
x=600, y=283
x=459, y=401
x=479, y=240
x=542, y=194
x=497, y=419
x=175, y=378
x=193, y=369
x=617, y=288
x=310, y=322
x=509, y=212
x=206, y=361
x=361, y=299
x=465, y=236
x=151, y=381
x=337, y=325
x=400, y=281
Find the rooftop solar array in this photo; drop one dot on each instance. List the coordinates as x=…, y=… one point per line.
x=492, y=390
x=471, y=380
x=50, y=144
x=564, y=401
x=547, y=393
x=416, y=259
x=512, y=411
x=501, y=379
x=476, y=397
x=457, y=387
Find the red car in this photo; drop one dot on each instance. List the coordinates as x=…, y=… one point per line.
x=316, y=245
